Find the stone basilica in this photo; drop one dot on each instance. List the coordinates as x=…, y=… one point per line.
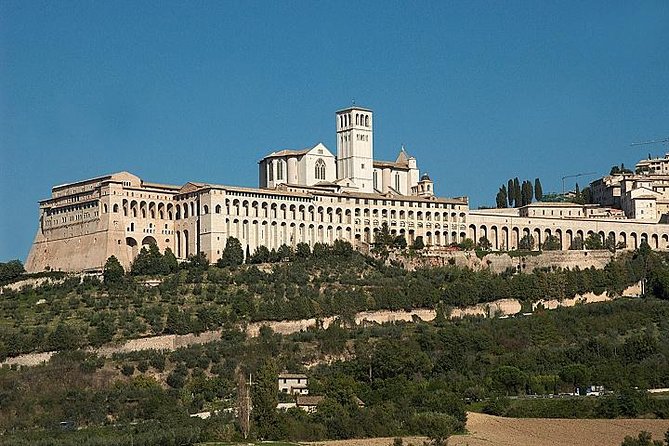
x=308, y=196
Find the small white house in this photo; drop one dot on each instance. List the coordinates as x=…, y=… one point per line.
x=293, y=383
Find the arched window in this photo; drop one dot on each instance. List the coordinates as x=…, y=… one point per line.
x=206, y=209
x=104, y=208
x=320, y=169
x=279, y=170
x=376, y=180
x=115, y=208
x=218, y=208
x=397, y=182
x=271, y=171
x=366, y=120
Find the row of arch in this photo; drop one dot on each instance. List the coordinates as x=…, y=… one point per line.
x=244, y=208
x=360, y=119
x=507, y=238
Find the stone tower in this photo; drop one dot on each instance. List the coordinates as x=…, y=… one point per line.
x=355, y=147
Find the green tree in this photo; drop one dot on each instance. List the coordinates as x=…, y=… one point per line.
x=418, y=243
x=467, y=244
x=526, y=243
x=576, y=375
x=593, y=241
x=342, y=248
x=149, y=262
x=233, y=254
x=552, y=243
x=113, y=272
x=501, y=197
x=576, y=243
x=510, y=192
x=383, y=238
x=643, y=439
x=587, y=195
x=510, y=378
x=400, y=242
x=517, y=195
x=260, y=255
x=610, y=243
x=302, y=250
x=484, y=244
x=170, y=261
x=285, y=252
x=264, y=395
x=11, y=270
x=538, y=190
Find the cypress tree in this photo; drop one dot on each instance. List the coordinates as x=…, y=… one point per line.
x=517, y=197
x=538, y=191
x=509, y=188
x=501, y=197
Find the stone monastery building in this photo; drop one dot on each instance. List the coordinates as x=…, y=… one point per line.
x=309, y=196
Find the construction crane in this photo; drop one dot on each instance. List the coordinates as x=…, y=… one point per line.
x=575, y=176
x=654, y=141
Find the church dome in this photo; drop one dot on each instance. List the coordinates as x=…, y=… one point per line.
x=425, y=177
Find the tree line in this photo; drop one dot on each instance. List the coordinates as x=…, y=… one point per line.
x=517, y=194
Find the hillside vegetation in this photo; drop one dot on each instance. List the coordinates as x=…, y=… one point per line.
x=414, y=378
x=328, y=281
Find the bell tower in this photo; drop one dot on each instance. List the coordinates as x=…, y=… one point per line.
x=355, y=147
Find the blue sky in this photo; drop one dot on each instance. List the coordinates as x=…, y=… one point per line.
x=178, y=91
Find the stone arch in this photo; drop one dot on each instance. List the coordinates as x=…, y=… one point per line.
x=635, y=240
x=655, y=241
x=483, y=232
x=537, y=238
x=178, y=240
x=217, y=209
x=472, y=233
x=205, y=209
x=149, y=240
x=558, y=235
x=623, y=238
x=515, y=238
x=132, y=248
x=115, y=207
x=186, y=244
x=504, y=243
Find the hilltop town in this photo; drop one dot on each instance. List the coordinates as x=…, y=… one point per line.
x=314, y=196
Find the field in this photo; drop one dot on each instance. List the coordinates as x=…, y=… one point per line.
x=488, y=430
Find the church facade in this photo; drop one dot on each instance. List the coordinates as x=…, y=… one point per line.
x=304, y=196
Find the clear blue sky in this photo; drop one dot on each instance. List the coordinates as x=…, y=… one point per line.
x=176, y=91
